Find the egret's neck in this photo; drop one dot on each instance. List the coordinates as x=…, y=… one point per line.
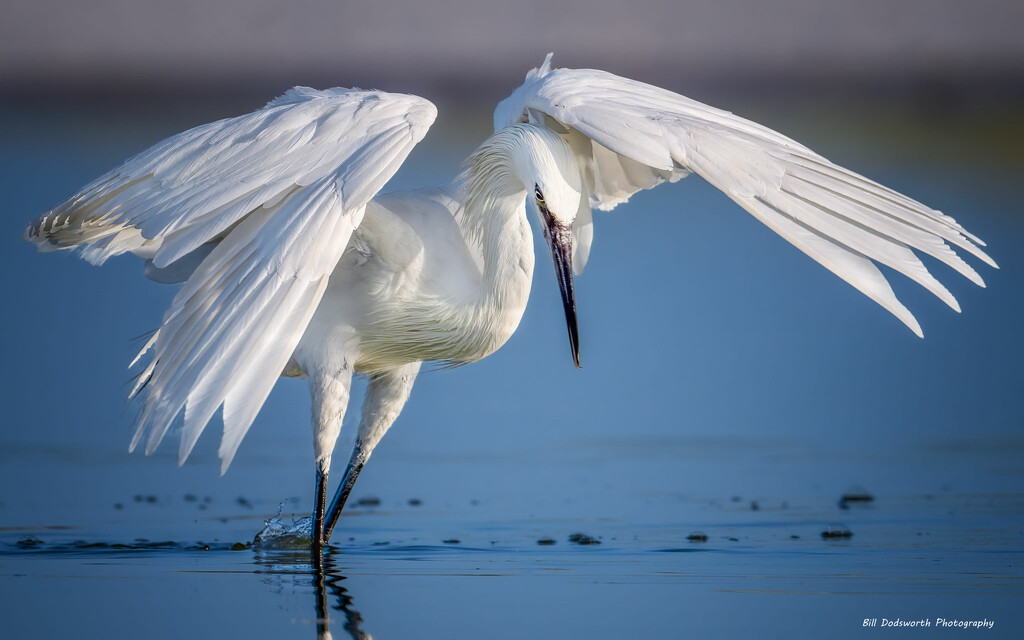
x=498, y=225
x=494, y=219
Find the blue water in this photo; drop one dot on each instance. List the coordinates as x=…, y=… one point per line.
x=731, y=387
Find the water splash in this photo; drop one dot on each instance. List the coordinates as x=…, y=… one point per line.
x=280, y=533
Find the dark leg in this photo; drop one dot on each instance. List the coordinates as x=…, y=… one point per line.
x=355, y=465
x=385, y=398
x=318, y=512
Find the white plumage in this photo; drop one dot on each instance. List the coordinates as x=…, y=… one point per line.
x=294, y=264
x=630, y=136
x=269, y=201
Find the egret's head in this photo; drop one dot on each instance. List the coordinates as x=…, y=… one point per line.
x=548, y=169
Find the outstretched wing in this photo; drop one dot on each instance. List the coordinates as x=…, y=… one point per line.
x=276, y=194
x=629, y=136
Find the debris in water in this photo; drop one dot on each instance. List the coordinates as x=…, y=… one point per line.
x=582, y=538
x=697, y=536
x=191, y=497
x=415, y=502
x=452, y=541
x=139, y=544
x=368, y=501
x=856, y=495
x=243, y=501
x=836, y=532
x=546, y=541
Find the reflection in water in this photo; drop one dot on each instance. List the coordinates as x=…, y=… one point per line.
x=326, y=578
x=327, y=585
x=286, y=541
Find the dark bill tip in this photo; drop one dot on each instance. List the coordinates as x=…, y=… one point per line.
x=560, y=243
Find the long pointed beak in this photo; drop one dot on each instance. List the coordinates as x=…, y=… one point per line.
x=560, y=242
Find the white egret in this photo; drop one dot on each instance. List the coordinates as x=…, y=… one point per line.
x=293, y=264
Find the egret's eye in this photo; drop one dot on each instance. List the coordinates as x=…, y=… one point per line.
x=538, y=194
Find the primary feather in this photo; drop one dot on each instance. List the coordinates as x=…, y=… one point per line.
x=629, y=136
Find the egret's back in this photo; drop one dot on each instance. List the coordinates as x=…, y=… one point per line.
x=407, y=276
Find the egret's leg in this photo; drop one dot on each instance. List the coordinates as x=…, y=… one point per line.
x=330, y=390
x=385, y=397
x=355, y=465
x=320, y=502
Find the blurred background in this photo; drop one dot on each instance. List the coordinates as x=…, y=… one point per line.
x=473, y=50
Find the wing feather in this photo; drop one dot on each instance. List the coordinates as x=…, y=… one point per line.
x=192, y=187
x=628, y=136
x=255, y=212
